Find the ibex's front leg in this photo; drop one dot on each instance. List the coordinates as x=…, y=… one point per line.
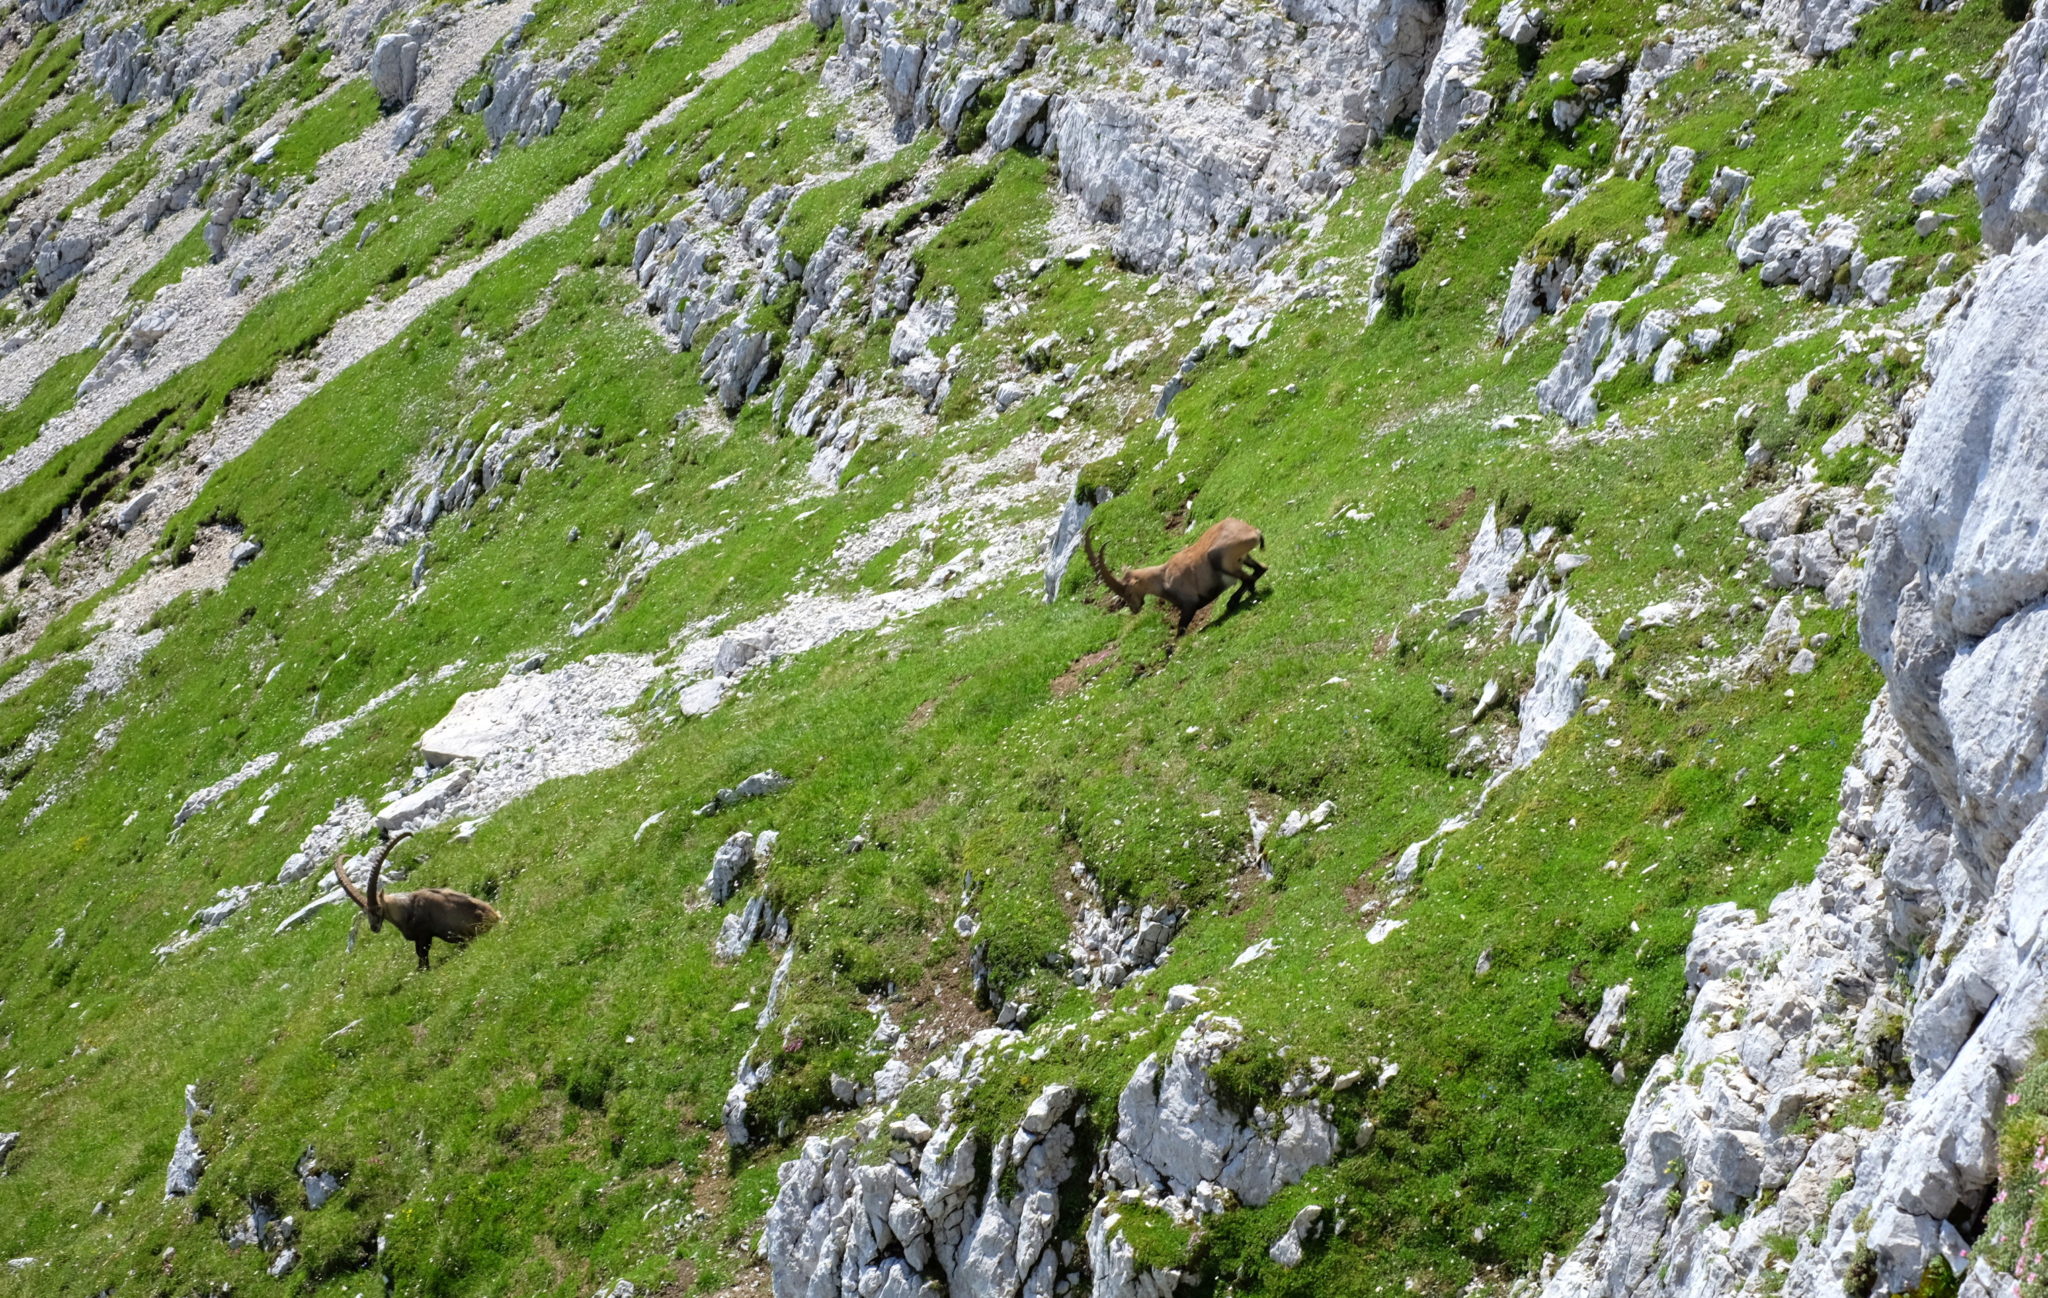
x=421, y=947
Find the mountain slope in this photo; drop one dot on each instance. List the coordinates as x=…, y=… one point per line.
x=523, y=428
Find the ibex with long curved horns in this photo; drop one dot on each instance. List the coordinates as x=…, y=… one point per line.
x=1192, y=579
x=422, y=915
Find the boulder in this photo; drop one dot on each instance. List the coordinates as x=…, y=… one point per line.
x=394, y=68
x=728, y=864
x=1559, y=688
x=188, y=1161
x=1567, y=391
x=1520, y=23
x=1672, y=175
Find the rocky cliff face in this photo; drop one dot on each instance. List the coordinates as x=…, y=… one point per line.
x=1909, y=979
x=901, y=1205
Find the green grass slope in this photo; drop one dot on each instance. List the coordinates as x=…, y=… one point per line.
x=539, y=1114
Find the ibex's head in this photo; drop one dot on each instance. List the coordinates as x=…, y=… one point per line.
x=372, y=904
x=1131, y=599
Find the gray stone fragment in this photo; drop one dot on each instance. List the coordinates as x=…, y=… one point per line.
x=728, y=864
x=1520, y=23
x=188, y=1161
x=1672, y=175
x=394, y=68
x=1567, y=391
x=1286, y=1250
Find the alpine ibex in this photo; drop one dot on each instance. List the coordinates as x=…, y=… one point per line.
x=423, y=915
x=1192, y=579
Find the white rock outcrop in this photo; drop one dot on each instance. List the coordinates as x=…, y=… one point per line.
x=728, y=864
x=842, y=1227
x=1176, y=1139
x=395, y=68
x=203, y=799
x=1816, y=27
x=1110, y=945
x=1247, y=121
x=1490, y=562
x=901, y=1207
x=1560, y=687
x=1910, y=976
x=188, y=1161
x=1567, y=391
x=1451, y=98
x=2011, y=169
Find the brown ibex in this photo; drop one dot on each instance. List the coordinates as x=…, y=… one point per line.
x=1192, y=579
x=422, y=915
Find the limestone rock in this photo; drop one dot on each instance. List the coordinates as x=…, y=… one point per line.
x=1937, y=185
x=1941, y=845
x=394, y=68
x=1672, y=175
x=749, y=1078
x=1494, y=552
x=1174, y=1136
x=319, y=1185
x=736, y=362
x=518, y=105
x=846, y=1228
x=1451, y=98
x=728, y=864
x=188, y=1161
x=1520, y=23
x=1567, y=391
x=1816, y=27
x=1535, y=289
x=2010, y=168
x=752, y=923
x=1287, y=1249
x=425, y=802
x=227, y=208
x=736, y=653
x=1600, y=1033
x=926, y=319
x=1559, y=688
x=203, y=799
x=1020, y=119
x=1823, y=262
x=1109, y=947
x=1064, y=542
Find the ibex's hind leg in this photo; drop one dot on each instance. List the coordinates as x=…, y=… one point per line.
x=422, y=947
x=1253, y=571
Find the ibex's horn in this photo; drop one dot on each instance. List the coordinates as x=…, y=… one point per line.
x=341, y=876
x=1116, y=588
x=377, y=866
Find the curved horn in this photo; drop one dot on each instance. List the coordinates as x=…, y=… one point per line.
x=1095, y=560
x=342, y=876
x=377, y=867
